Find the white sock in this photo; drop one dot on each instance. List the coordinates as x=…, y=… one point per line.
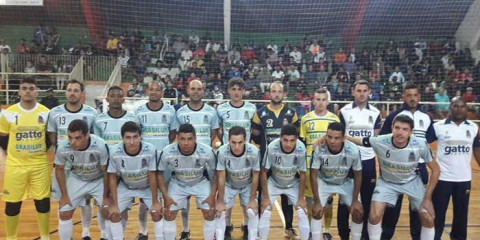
x=374, y=231
x=427, y=233
x=86, y=219
x=169, y=230
x=356, y=230
x=184, y=213
x=221, y=224
x=102, y=225
x=317, y=229
x=109, y=231
x=158, y=229
x=124, y=219
x=142, y=218
x=208, y=229
x=45, y=237
x=264, y=224
x=65, y=229
x=117, y=230
x=252, y=224
x=303, y=224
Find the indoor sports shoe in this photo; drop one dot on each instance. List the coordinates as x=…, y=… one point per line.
x=141, y=237
x=87, y=238
x=185, y=236
x=245, y=232
x=327, y=236
x=290, y=233
x=228, y=232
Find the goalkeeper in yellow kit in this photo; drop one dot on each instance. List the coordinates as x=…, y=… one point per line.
x=27, y=171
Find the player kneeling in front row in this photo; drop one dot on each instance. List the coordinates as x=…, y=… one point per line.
x=329, y=174
x=192, y=165
x=238, y=171
x=286, y=158
x=133, y=162
x=398, y=156
x=87, y=156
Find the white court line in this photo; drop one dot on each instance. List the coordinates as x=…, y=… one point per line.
x=280, y=212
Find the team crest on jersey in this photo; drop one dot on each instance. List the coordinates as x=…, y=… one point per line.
x=92, y=158
x=205, y=119
x=468, y=134
x=248, y=163
x=164, y=119
x=420, y=123
x=263, y=114
x=414, y=142
x=144, y=163
x=344, y=161
x=295, y=161
x=246, y=115
x=411, y=157
x=201, y=150
x=370, y=119
x=197, y=163
x=41, y=120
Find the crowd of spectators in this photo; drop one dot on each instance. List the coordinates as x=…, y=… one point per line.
x=441, y=68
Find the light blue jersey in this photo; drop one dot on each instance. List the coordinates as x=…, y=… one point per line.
x=156, y=125
x=238, y=169
x=399, y=165
x=60, y=117
x=84, y=164
x=231, y=116
x=109, y=128
x=133, y=170
x=203, y=120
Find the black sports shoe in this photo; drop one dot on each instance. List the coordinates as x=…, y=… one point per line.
x=141, y=237
x=87, y=238
x=228, y=232
x=185, y=236
x=327, y=236
x=290, y=233
x=245, y=232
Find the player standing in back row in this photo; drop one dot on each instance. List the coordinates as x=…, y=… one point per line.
x=236, y=112
x=361, y=119
x=58, y=121
x=205, y=120
x=27, y=171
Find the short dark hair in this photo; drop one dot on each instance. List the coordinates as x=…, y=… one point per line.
x=321, y=91
x=186, y=128
x=112, y=88
x=78, y=125
x=130, y=126
x=410, y=85
x=28, y=80
x=361, y=82
x=237, y=130
x=403, y=119
x=336, y=126
x=289, y=129
x=74, y=81
x=236, y=81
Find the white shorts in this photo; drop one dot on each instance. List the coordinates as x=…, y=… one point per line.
x=345, y=191
x=274, y=192
x=243, y=193
x=125, y=196
x=180, y=194
x=78, y=190
x=388, y=192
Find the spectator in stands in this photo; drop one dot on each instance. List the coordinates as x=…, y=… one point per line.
x=296, y=55
x=311, y=77
x=286, y=49
x=124, y=59
x=255, y=94
x=44, y=66
x=321, y=56
x=265, y=78
x=333, y=84
x=293, y=75
x=217, y=95
x=22, y=47
x=112, y=45
x=365, y=60
x=235, y=54
x=468, y=96
x=266, y=95
x=343, y=76
x=49, y=101
x=234, y=72
x=379, y=67
x=170, y=58
x=196, y=66
x=341, y=95
x=251, y=81
x=178, y=45
x=29, y=68
x=272, y=57
x=376, y=90
x=4, y=47
x=193, y=38
x=466, y=77
x=135, y=89
x=278, y=74
x=272, y=46
x=350, y=66
x=314, y=48
x=398, y=75
x=170, y=92
x=186, y=54
x=39, y=35
x=340, y=58
x=248, y=53
x=442, y=96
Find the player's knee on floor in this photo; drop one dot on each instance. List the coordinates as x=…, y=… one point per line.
x=115, y=217
x=42, y=206
x=156, y=215
x=427, y=220
x=12, y=208
x=65, y=215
